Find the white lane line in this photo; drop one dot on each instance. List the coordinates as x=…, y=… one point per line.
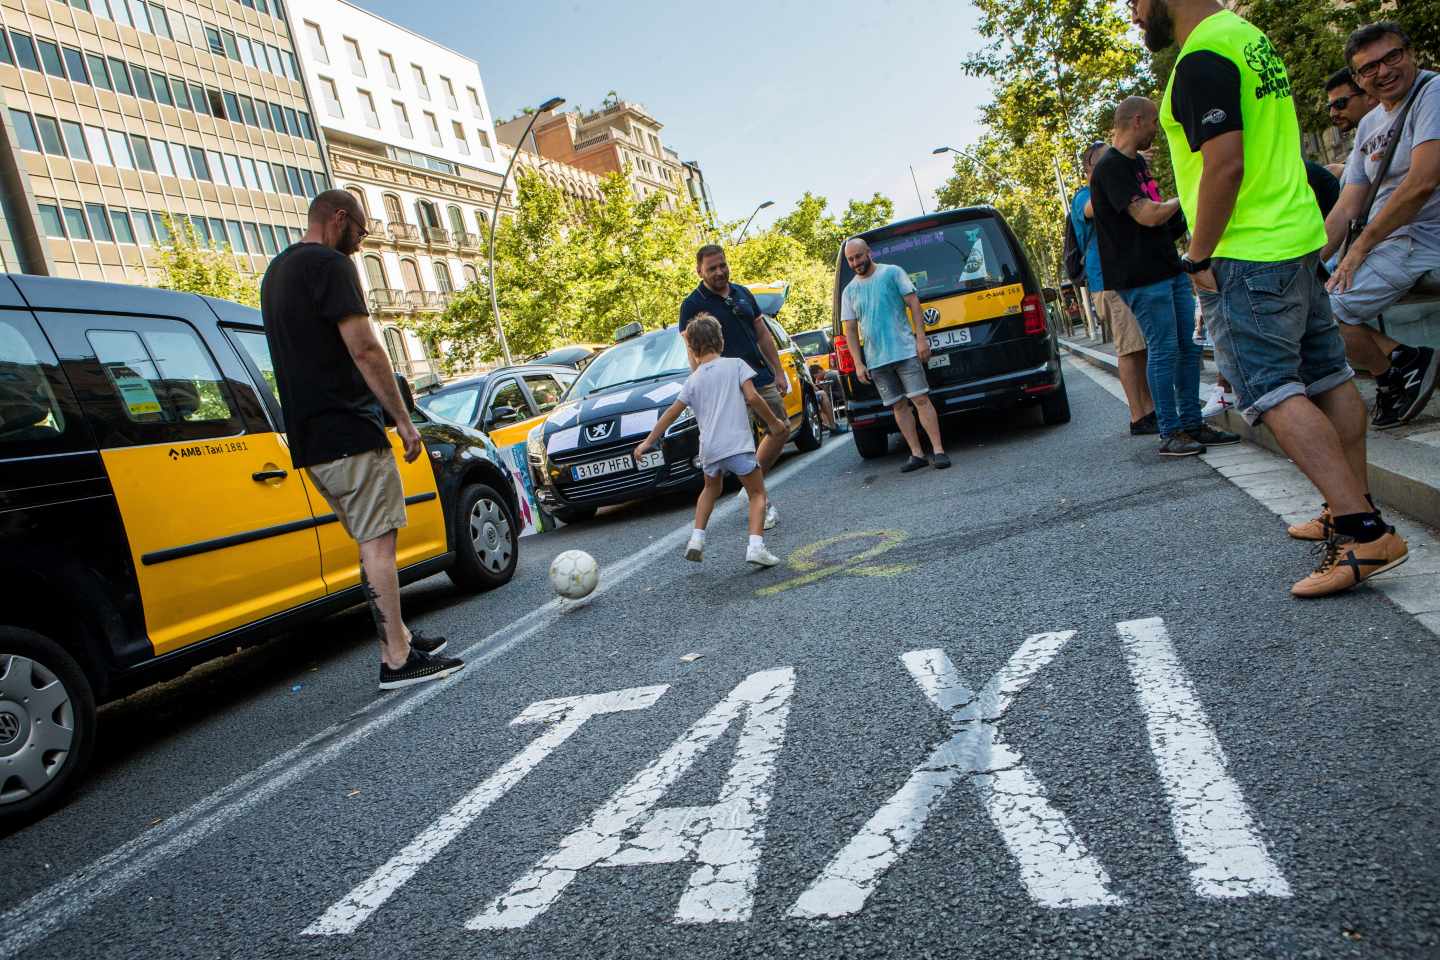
x=1208, y=813
x=65, y=900
x=566, y=715
x=724, y=839
x=1058, y=869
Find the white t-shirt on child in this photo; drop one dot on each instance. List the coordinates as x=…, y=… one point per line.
x=715, y=394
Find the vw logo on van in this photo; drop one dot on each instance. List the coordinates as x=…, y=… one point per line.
x=599, y=431
x=9, y=727
x=932, y=317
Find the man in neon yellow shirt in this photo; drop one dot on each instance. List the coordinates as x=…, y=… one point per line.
x=1254, y=248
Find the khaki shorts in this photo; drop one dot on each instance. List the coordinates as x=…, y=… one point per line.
x=365, y=492
x=1112, y=310
x=771, y=395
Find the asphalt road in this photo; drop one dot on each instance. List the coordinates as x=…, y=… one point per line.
x=1055, y=701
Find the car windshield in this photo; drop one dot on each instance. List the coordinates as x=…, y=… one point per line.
x=811, y=344
x=452, y=405
x=657, y=355
x=945, y=258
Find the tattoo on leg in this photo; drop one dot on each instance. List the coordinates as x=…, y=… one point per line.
x=373, y=600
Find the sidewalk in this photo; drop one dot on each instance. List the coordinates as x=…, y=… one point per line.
x=1404, y=461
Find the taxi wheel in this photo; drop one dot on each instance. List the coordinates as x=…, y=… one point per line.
x=47, y=724
x=810, y=435
x=487, y=540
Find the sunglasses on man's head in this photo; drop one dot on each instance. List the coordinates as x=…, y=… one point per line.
x=1339, y=103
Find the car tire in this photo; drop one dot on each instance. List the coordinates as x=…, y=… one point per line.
x=811, y=434
x=28, y=658
x=486, y=539
x=871, y=443
x=573, y=514
x=1055, y=407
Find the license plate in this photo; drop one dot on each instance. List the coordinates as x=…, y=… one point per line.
x=948, y=338
x=939, y=360
x=600, y=468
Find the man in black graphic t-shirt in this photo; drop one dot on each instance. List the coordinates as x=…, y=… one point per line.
x=336, y=384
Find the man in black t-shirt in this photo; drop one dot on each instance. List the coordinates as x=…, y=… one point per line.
x=746, y=337
x=336, y=384
x=1136, y=233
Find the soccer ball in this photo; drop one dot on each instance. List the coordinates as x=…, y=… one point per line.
x=574, y=574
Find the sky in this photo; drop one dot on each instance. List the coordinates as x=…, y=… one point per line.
x=772, y=98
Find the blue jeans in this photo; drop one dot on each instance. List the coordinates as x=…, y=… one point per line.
x=1166, y=314
x=1275, y=337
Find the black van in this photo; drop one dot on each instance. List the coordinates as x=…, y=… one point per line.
x=151, y=517
x=992, y=336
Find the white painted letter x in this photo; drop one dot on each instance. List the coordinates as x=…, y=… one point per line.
x=1057, y=868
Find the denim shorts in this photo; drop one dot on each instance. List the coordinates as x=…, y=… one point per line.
x=1275, y=337
x=1385, y=275
x=739, y=464
x=904, y=378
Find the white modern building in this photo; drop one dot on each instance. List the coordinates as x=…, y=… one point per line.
x=409, y=131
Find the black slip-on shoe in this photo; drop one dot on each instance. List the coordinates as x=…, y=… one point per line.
x=913, y=464
x=419, y=668
x=1208, y=436
x=427, y=644
x=939, y=461
x=1146, y=426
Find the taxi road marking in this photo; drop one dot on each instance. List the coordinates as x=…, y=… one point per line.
x=811, y=570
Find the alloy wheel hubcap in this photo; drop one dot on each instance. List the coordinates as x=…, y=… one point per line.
x=490, y=535
x=37, y=727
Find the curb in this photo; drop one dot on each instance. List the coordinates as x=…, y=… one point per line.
x=1393, y=483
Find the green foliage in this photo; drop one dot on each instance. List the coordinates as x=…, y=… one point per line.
x=775, y=256
x=820, y=234
x=188, y=266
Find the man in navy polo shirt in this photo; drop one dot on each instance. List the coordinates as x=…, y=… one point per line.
x=746, y=335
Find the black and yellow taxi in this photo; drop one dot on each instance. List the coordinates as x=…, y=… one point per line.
x=992, y=334
x=151, y=517
x=581, y=458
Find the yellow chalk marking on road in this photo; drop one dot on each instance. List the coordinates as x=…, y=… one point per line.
x=809, y=569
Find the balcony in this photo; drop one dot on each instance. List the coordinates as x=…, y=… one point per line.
x=386, y=301
x=405, y=233
x=437, y=236
x=426, y=301
x=467, y=241
x=375, y=227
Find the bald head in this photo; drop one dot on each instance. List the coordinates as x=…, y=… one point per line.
x=337, y=220
x=324, y=206
x=857, y=254
x=1130, y=109
x=855, y=243
x=1136, y=123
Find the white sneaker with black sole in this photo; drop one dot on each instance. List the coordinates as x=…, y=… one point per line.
x=419, y=668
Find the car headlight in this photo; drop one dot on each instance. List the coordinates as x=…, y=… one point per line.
x=686, y=421
x=535, y=445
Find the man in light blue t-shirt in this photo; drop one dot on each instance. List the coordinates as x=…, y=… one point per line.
x=896, y=348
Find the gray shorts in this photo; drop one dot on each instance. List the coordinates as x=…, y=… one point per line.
x=740, y=464
x=1384, y=276
x=904, y=378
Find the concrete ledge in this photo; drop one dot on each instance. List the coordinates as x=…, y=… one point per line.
x=1404, y=475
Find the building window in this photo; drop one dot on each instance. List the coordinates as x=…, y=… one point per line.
x=449, y=93
x=317, y=42
x=470, y=274
x=140, y=147
x=75, y=65
x=99, y=221
x=50, y=135
x=475, y=107
x=99, y=73
x=99, y=149
x=357, y=62
x=395, y=346
x=367, y=105
x=442, y=277
x=421, y=87
x=402, y=120
x=25, y=51
x=359, y=196
x=50, y=220
x=457, y=220
x=140, y=81
x=143, y=231
x=460, y=141
x=375, y=272
x=162, y=89
x=50, y=58
x=485, y=148
x=410, y=275
x=387, y=63
x=120, y=74
x=122, y=228
x=434, y=125
x=24, y=130
x=75, y=139
x=331, y=96
x=75, y=224
x=394, y=213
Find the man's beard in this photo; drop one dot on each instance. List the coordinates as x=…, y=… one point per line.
x=1159, y=27
x=864, y=267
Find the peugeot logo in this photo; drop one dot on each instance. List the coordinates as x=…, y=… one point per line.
x=599, y=431
x=9, y=727
x=932, y=317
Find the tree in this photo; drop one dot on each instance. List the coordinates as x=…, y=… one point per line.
x=187, y=266
x=773, y=255
x=810, y=226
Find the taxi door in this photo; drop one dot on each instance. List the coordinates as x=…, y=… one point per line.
x=424, y=534
x=790, y=361
x=219, y=526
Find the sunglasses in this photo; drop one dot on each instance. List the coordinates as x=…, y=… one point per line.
x=359, y=224
x=1339, y=103
x=740, y=309
x=1391, y=59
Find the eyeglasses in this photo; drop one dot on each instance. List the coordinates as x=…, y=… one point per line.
x=359, y=224
x=1391, y=59
x=1339, y=103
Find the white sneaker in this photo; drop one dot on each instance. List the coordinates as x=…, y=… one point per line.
x=695, y=550
x=771, y=517
x=1218, y=402
x=761, y=557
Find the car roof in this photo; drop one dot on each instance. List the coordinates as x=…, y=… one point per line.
x=480, y=379
x=939, y=216
x=62, y=293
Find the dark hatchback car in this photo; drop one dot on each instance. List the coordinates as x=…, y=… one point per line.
x=504, y=403
x=581, y=456
x=151, y=517
x=992, y=337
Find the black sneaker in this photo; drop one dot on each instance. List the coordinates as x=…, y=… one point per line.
x=939, y=461
x=1389, y=401
x=426, y=644
x=1180, y=445
x=1416, y=381
x=1146, y=426
x=913, y=464
x=1210, y=437
x=419, y=668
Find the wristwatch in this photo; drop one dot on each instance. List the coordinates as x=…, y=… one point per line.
x=1194, y=266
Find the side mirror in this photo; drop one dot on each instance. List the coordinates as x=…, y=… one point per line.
x=406, y=394
x=1050, y=294
x=499, y=415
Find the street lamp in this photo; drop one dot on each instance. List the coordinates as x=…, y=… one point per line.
x=976, y=160
x=545, y=107
x=767, y=203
